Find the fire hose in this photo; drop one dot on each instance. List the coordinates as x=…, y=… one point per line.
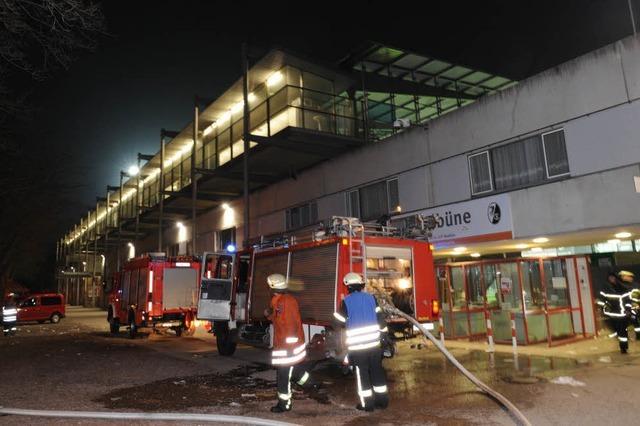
x=181, y=417
x=389, y=309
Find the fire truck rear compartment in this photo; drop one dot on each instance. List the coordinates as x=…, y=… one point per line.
x=179, y=289
x=312, y=279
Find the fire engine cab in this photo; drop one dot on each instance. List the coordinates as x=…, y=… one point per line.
x=155, y=291
x=398, y=269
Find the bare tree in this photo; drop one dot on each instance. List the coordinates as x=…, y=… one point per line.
x=37, y=37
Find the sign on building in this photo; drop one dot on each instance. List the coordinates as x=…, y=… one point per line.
x=478, y=220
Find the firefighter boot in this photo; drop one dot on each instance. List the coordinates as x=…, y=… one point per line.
x=382, y=400
x=281, y=406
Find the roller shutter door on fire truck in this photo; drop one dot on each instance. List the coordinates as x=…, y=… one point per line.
x=312, y=280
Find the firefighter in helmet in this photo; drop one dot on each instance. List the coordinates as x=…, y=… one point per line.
x=365, y=327
x=617, y=300
x=289, y=347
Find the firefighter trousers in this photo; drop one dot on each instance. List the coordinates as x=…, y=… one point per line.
x=619, y=326
x=298, y=373
x=370, y=376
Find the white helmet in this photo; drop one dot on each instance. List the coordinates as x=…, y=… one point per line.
x=353, y=278
x=277, y=281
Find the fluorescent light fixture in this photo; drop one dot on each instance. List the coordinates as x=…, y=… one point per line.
x=536, y=249
x=207, y=130
x=614, y=241
x=475, y=254
x=623, y=234
x=183, y=264
x=179, y=224
x=404, y=283
x=133, y=170
x=522, y=246
x=459, y=249
x=226, y=206
x=251, y=97
x=274, y=78
x=237, y=107
x=540, y=240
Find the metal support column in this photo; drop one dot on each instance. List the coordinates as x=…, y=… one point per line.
x=245, y=138
x=194, y=177
x=161, y=190
x=118, y=248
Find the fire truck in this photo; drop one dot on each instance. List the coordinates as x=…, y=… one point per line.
x=155, y=291
x=398, y=269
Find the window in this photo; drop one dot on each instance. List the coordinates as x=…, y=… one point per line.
x=303, y=215
x=480, y=173
x=374, y=201
x=519, y=164
x=226, y=237
x=50, y=301
x=28, y=302
x=555, y=154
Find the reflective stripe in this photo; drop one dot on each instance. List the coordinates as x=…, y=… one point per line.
x=345, y=361
x=339, y=317
x=613, y=334
x=12, y=318
x=366, y=393
x=284, y=396
x=385, y=329
x=291, y=340
x=362, y=330
x=303, y=379
x=10, y=311
x=611, y=296
x=628, y=305
x=637, y=329
x=363, y=346
x=600, y=302
x=611, y=314
x=299, y=349
x=289, y=360
x=380, y=389
x=278, y=353
x=362, y=338
x=623, y=339
x=378, y=309
x=359, y=386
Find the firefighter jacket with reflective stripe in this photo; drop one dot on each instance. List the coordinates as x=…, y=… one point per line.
x=288, y=337
x=616, y=300
x=359, y=311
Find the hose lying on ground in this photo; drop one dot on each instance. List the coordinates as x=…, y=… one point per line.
x=181, y=417
x=497, y=396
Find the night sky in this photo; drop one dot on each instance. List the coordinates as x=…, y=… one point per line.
x=112, y=103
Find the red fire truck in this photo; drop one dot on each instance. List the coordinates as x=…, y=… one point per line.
x=234, y=292
x=155, y=291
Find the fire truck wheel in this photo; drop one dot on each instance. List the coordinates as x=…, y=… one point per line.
x=55, y=318
x=224, y=339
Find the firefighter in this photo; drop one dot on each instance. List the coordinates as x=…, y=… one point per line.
x=633, y=302
x=616, y=302
x=289, y=347
x=9, y=317
x=365, y=328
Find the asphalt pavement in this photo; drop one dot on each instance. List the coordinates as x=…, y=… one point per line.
x=78, y=365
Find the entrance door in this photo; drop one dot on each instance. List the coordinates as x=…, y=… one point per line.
x=584, y=283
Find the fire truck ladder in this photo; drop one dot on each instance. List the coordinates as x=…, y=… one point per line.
x=357, y=246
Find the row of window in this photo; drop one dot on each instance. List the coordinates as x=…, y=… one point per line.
x=518, y=164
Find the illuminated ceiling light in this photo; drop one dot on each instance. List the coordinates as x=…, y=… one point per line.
x=623, y=234
x=536, y=249
x=237, y=107
x=460, y=249
x=398, y=209
x=475, y=254
x=179, y=225
x=522, y=246
x=251, y=97
x=226, y=206
x=540, y=240
x=207, y=131
x=133, y=170
x=274, y=79
x=614, y=241
x=224, y=117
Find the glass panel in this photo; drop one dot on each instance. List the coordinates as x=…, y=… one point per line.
x=509, y=285
x=474, y=284
x=457, y=288
x=373, y=201
x=532, y=285
x=394, y=197
x=480, y=172
x=555, y=276
x=294, y=76
x=390, y=276
x=518, y=164
x=492, y=286
x=556, y=153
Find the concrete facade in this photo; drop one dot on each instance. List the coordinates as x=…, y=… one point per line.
x=595, y=99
